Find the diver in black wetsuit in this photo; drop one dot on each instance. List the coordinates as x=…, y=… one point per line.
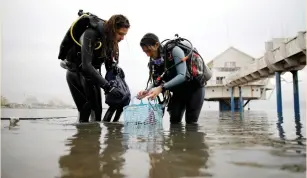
x=186, y=95
x=83, y=65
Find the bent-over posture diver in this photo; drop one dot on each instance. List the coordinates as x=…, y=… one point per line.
x=98, y=45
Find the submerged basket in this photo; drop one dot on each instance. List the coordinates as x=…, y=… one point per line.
x=150, y=134
x=149, y=113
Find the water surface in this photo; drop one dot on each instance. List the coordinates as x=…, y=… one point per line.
x=219, y=146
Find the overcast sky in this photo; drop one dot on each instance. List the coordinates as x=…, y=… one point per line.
x=33, y=30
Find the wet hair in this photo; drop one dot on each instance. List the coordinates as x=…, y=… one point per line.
x=110, y=29
x=150, y=39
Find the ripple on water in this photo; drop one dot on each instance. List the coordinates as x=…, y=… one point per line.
x=219, y=146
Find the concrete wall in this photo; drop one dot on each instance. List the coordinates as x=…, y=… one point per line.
x=216, y=92
x=278, y=41
x=230, y=55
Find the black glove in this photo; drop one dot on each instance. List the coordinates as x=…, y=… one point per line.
x=113, y=91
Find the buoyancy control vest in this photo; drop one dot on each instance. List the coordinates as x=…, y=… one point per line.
x=197, y=71
x=70, y=48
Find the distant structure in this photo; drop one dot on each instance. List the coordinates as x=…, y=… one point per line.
x=4, y=101
x=31, y=100
x=281, y=55
x=223, y=65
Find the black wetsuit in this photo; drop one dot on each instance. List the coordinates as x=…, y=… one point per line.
x=186, y=96
x=85, y=81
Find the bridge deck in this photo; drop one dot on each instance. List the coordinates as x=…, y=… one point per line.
x=290, y=55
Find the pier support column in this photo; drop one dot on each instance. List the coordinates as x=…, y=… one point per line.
x=278, y=95
x=296, y=95
x=232, y=100
x=225, y=105
x=240, y=100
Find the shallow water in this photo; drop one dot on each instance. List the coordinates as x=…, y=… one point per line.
x=219, y=146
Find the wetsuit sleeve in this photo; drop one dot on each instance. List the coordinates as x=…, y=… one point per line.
x=181, y=69
x=88, y=42
x=150, y=86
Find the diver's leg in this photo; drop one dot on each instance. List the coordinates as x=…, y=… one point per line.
x=76, y=89
x=77, y=92
x=89, y=90
x=194, y=104
x=108, y=115
x=97, y=108
x=176, y=107
x=118, y=113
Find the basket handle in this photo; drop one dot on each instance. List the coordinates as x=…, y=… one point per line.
x=141, y=103
x=153, y=106
x=135, y=98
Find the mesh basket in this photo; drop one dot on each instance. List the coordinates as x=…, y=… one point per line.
x=150, y=113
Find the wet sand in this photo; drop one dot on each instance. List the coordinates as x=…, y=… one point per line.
x=219, y=146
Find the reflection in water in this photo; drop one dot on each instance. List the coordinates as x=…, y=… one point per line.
x=145, y=138
x=181, y=152
x=112, y=155
x=298, y=131
x=281, y=131
x=184, y=154
x=235, y=132
x=298, y=128
x=85, y=159
x=253, y=124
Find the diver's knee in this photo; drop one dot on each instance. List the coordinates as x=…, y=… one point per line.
x=175, y=121
x=96, y=115
x=192, y=116
x=109, y=114
x=175, y=116
x=117, y=115
x=85, y=112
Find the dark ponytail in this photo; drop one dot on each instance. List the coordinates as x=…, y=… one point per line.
x=150, y=39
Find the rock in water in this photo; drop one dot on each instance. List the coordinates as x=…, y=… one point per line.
x=14, y=121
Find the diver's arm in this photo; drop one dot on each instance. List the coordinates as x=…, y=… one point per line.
x=88, y=42
x=64, y=46
x=181, y=69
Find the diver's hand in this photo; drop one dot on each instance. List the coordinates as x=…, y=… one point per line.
x=142, y=94
x=154, y=92
x=63, y=65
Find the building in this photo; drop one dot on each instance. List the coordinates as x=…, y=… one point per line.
x=229, y=61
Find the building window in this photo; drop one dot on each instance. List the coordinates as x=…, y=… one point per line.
x=230, y=64
x=227, y=69
x=219, y=80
